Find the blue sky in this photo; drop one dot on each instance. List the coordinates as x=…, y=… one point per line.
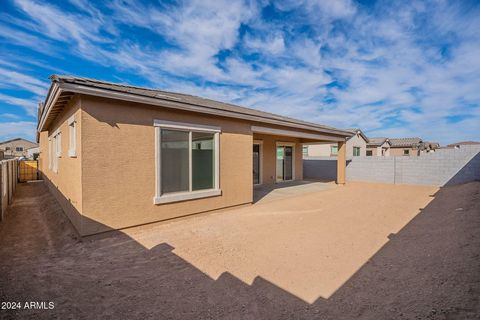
x=392, y=68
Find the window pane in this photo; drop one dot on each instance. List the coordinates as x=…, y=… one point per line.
x=203, y=161
x=174, y=161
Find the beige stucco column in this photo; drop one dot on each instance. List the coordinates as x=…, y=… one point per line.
x=341, y=162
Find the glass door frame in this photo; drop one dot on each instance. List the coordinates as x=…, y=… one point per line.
x=285, y=144
x=260, y=167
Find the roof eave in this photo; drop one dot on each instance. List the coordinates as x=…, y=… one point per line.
x=58, y=86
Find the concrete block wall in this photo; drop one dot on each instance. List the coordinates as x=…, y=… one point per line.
x=444, y=167
x=374, y=169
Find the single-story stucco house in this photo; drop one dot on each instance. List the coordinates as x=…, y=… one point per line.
x=356, y=146
x=117, y=156
x=378, y=147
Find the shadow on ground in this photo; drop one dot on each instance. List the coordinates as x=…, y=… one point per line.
x=428, y=270
x=284, y=189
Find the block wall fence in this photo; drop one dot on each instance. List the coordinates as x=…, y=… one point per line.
x=443, y=167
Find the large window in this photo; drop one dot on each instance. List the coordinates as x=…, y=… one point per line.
x=19, y=149
x=356, y=151
x=187, y=161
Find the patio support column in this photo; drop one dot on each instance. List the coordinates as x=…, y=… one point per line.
x=341, y=162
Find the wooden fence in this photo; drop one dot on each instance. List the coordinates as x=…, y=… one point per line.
x=8, y=184
x=27, y=170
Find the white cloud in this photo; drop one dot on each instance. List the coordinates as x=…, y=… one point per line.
x=16, y=80
x=10, y=116
x=10, y=130
x=52, y=22
x=273, y=44
x=29, y=105
x=387, y=61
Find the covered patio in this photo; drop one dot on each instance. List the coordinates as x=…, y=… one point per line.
x=278, y=161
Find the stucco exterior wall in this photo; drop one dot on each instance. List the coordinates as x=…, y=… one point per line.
x=66, y=184
x=399, y=152
x=356, y=141
x=324, y=150
x=119, y=164
x=319, y=150
x=111, y=183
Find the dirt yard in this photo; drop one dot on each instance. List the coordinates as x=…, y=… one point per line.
x=360, y=251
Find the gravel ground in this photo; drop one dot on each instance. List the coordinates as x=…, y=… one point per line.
x=362, y=251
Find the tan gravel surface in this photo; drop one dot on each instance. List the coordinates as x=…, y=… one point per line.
x=360, y=251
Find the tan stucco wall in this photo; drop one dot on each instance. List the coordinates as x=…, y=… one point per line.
x=269, y=157
x=319, y=150
x=324, y=150
x=119, y=165
x=66, y=185
x=356, y=141
x=399, y=152
x=111, y=183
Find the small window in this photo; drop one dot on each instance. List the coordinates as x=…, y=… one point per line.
x=7, y=148
x=406, y=152
x=369, y=153
x=305, y=151
x=72, y=137
x=334, y=150
x=19, y=149
x=187, y=163
x=356, y=151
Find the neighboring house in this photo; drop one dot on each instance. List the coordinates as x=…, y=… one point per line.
x=190, y=154
x=32, y=153
x=429, y=147
x=16, y=147
x=406, y=147
x=457, y=145
x=378, y=147
x=356, y=146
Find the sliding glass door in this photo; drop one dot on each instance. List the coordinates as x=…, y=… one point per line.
x=284, y=165
x=256, y=163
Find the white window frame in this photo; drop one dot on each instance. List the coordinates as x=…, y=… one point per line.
x=260, y=180
x=55, y=148
x=331, y=150
x=359, y=151
x=72, y=137
x=160, y=198
x=50, y=154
